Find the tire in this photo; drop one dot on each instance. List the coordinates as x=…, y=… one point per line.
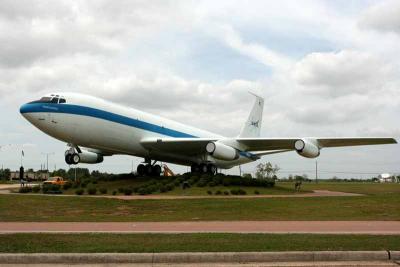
x=149, y=170
x=75, y=158
x=141, y=169
x=203, y=168
x=194, y=168
x=156, y=170
x=212, y=168
x=68, y=159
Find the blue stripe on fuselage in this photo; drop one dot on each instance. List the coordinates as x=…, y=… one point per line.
x=101, y=114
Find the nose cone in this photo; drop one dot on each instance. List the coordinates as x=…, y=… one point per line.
x=24, y=109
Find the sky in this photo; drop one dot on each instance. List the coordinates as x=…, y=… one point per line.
x=325, y=68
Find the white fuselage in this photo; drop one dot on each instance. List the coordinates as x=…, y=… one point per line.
x=113, y=129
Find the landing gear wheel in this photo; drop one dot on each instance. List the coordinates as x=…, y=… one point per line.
x=148, y=169
x=194, y=168
x=141, y=169
x=203, y=168
x=212, y=168
x=75, y=158
x=68, y=159
x=156, y=170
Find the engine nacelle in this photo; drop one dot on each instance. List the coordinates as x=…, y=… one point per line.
x=306, y=149
x=90, y=157
x=221, y=151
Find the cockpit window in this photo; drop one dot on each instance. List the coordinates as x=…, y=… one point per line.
x=50, y=99
x=45, y=99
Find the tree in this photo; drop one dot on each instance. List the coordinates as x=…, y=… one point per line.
x=5, y=174
x=266, y=170
x=247, y=175
x=60, y=172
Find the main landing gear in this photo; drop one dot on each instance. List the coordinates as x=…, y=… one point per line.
x=204, y=168
x=71, y=157
x=149, y=169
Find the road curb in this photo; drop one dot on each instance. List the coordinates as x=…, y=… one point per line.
x=197, y=257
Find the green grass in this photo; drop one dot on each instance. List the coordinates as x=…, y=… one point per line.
x=59, y=208
x=91, y=243
x=352, y=187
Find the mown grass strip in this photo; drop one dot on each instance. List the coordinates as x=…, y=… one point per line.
x=69, y=243
x=78, y=209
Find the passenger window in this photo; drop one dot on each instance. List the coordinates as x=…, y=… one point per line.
x=62, y=100
x=54, y=100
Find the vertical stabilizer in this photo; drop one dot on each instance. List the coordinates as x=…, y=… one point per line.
x=253, y=124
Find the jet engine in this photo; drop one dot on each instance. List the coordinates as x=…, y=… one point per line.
x=221, y=151
x=90, y=157
x=306, y=148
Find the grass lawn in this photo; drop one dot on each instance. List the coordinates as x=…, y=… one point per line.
x=381, y=206
x=352, y=187
x=91, y=243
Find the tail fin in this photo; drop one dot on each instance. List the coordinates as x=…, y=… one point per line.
x=253, y=124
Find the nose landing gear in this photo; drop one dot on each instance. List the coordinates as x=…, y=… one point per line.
x=71, y=157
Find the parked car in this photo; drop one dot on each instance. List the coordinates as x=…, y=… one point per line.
x=55, y=180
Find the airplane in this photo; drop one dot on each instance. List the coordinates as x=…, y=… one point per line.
x=94, y=128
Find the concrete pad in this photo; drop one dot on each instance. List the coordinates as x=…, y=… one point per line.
x=263, y=264
x=394, y=255
x=192, y=257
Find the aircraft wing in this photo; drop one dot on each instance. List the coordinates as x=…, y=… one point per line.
x=260, y=144
x=193, y=146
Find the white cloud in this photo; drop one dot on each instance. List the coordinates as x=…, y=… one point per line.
x=383, y=16
x=343, y=73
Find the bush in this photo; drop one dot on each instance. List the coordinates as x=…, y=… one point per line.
x=25, y=189
x=241, y=192
x=234, y=192
x=114, y=193
x=51, y=189
x=128, y=191
x=256, y=192
x=226, y=193
x=79, y=192
x=163, y=189
x=121, y=190
x=218, y=192
x=36, y=189
x=67, y=186
x=209, y=192
x=143, y=191
x=84, y=184
x=92, y=190
x=103, y=190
